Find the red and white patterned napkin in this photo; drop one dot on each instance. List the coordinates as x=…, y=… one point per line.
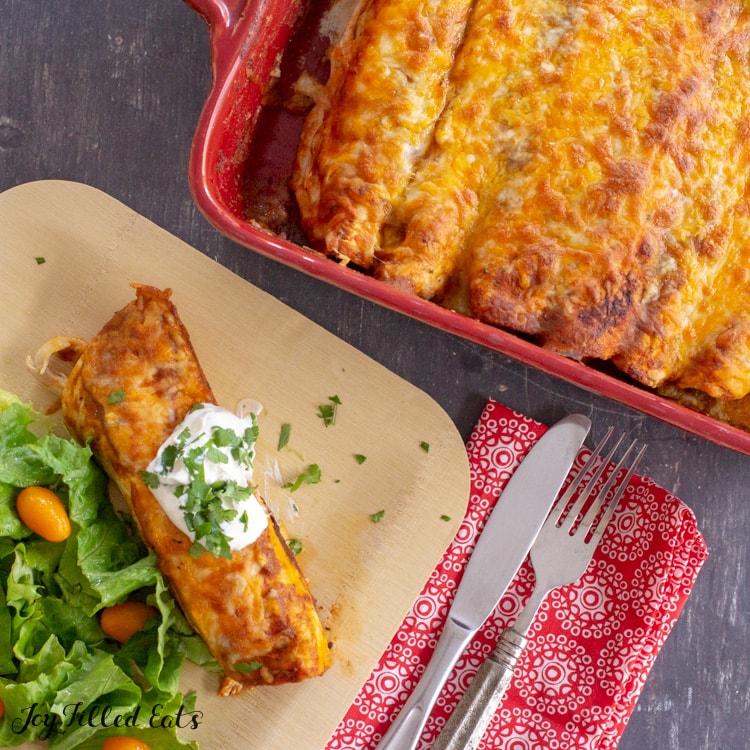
x=592, y=643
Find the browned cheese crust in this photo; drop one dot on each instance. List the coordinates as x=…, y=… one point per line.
x=584, y=182
x=575, y=232
x=694, y=329
x=253, y=608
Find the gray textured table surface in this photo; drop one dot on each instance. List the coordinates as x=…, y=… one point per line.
x=108, y=93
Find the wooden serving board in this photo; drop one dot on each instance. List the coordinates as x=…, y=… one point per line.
x=365, y=575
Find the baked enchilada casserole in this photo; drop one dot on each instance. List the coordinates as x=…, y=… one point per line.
x=572, y=171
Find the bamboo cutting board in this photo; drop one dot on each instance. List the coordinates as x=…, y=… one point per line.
x=67, y=255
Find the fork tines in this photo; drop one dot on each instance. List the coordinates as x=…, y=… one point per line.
x=600, y=511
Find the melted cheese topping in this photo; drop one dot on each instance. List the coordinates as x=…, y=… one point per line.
x=576, y=173
x=695, y=331
x=574, y=223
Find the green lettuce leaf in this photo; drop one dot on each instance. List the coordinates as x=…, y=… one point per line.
x=20, y=465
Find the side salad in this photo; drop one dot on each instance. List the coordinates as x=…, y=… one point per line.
x=63, y=679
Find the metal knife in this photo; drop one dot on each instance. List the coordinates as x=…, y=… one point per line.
x=503, y=545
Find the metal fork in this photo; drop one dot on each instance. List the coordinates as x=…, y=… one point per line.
x=560, y=555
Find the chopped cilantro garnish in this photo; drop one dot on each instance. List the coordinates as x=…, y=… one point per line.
x=295, y=545
x=246, y=667
x=183, y=437
x=214, y=454
x=311, y=475
x=168, y=457
x=196, y=549
x=327, y=412
x=377, y=517
x=444, y=517
x=40, y=260
x=245, y=451
x=359, y=458
x=115, y=397
x=425, y=446
x=286, y=429
x=150, y=479
x=205, y=511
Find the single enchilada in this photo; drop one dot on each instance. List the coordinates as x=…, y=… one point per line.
x=131, y=386
x=694, y=332
x=373, y=119
x=424, y=238
x=574, y=232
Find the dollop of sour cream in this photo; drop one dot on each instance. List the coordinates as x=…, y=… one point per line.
x=211, y=448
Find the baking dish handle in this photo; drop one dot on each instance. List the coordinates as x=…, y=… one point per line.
x=223, y=18
x=219, y=14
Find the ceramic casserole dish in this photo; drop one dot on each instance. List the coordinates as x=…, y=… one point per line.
x=241, y=162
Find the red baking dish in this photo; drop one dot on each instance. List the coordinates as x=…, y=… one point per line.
x=241, y=161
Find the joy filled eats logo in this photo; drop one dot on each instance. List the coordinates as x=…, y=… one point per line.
x=78, y=715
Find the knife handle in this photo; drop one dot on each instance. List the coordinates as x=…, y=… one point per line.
x=406, y=730
x=471, y=717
